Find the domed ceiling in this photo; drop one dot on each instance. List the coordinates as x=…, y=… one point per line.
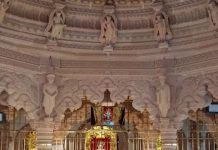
x=145, y=34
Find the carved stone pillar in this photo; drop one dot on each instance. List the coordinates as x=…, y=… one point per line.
x=44, y=132
x=168, y=135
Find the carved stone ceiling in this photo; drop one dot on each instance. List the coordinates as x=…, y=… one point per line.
x=122, y=3
x=23, y=40
x=82, y=63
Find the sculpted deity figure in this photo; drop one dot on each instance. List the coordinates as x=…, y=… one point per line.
x=50, y=91
x=163, y=96
x=108, y=114
x=56, y=24
x=4, y=5
x=108, y=34
x=162, y=30
x=100, y=146
x=212, y=10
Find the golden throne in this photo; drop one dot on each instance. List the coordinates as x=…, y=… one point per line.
x=101, y=138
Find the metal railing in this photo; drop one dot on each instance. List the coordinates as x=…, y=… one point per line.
x=202, y=141
x=75, y=140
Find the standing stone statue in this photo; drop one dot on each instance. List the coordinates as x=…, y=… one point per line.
x=108, y=34
x=56, y=24
x=4, y=6
x=50, y=92
x=212, y=10
x=163, y=96
x=162, y=30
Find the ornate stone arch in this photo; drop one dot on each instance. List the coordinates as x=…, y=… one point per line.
x=190, y=94
x=22, y=92
x=72, y=91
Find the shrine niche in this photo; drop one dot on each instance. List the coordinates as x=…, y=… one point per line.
x=104, y=125
x=107, y=113
x=101, y=138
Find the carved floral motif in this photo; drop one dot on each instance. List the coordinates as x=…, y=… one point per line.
x=187, y=93
x=22, y=91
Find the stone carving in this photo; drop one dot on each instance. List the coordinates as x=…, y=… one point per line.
x=69, y=97
x=13, y=93
x=5, y=80
x=212, y=10
x=50, y=91
x=22, y=92
x=163, y=96
x=108, y=35
x=71, y=92
x=140, y=91
x=56, y=24
x=189, y=94
x=4, y=5
x=162, y=30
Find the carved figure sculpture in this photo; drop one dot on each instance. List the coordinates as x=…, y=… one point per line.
x=4, y=5
x=163, y=96
x=56, y=24
x=162, y=30
x=100, y=146
x=108, y=114
x=212, y=10
x=108, y=34
x=50, y=92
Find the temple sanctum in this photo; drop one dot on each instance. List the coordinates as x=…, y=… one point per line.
x=108, y=74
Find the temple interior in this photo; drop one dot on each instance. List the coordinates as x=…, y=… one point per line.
x=108, y=74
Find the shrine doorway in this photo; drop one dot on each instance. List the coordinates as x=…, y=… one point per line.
x=101, y=138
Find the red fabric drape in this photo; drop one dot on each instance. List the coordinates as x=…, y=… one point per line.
x=95, y=142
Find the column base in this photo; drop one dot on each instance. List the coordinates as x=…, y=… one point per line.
x=168, y=135
x=44, y=131
x=169, y=139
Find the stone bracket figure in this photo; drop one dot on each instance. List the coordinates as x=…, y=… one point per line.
x=108, y=35
x=50, y=91
x=162, y=31
x=4, y=6
x=212, y=10
x=163, y=96
x=56, y=24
